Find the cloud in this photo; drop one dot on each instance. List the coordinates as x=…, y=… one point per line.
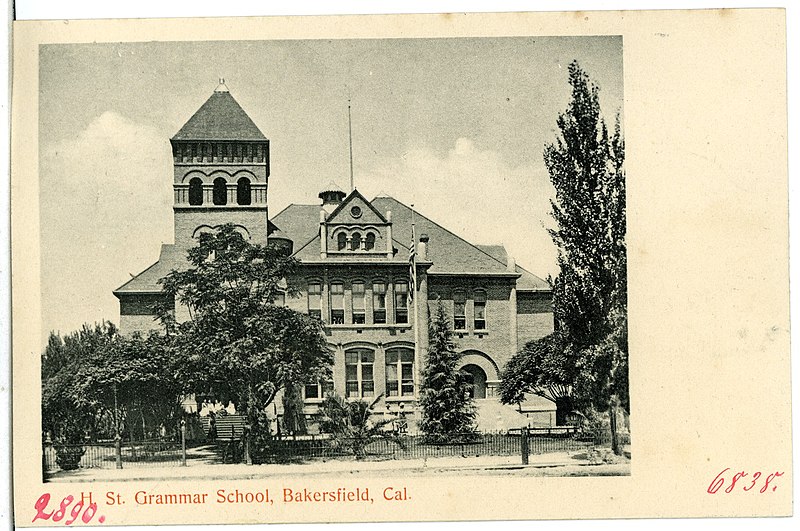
x=104, y=200
x=476, y=194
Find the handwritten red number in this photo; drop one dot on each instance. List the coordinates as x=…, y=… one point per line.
x=87, y=516
x=62, y=509
x=736, y=477
x=41, y=504
x=770, y=478
x=717, y=483
x=755, y=478
x=75, y=512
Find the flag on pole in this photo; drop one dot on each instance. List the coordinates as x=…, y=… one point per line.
x=412, y=265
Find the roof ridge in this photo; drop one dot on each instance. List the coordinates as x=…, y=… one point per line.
x=306, y=244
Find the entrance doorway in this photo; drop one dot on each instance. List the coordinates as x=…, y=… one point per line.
x=476, y=377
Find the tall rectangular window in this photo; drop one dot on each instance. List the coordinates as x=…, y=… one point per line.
x=337, y=303
x=315, y=300
x=378, y=303
x=401, y=302
x=479, y=298
x=459, y=310
x=358, y=371
x=400, y=372
x=359, y=310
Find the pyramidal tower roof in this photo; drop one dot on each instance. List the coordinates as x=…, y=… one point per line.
x=220, y=118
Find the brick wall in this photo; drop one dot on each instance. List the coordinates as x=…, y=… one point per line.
x=534, y=316
x=495, y=341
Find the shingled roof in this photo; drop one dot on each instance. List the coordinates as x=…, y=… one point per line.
x=448, y=252
x=171, y=258
x=220, y=118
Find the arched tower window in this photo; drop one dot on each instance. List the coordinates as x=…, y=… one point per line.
x=220, y=191
x=369, y=242
x=355, y=241
x=243, y=191
x=196, y=191
x=341, y=241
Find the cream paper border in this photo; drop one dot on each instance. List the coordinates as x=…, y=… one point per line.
x=705, y=128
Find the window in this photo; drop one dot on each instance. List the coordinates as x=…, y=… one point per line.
x=196, y=191
x=400, y=372
x=401, y=302
x=459, y=310
x=359, y=311
x=317, y=390
x=315, y=299
x=378, y=302
x=369, y=242
x=337, y=303
x=341, y=241
x=358, y=365
x=243, y=195
x=355, y=241
x=479, y=298
x=280, y=298
x=220, y=191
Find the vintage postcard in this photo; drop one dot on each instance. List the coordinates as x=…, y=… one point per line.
x=398, y=268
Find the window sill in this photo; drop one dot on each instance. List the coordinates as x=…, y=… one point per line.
x=313, y=400
x=367, y=326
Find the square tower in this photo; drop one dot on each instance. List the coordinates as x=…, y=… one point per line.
x=221, y=172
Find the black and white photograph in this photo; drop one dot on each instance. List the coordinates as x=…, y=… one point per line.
x=455, y=267
x=333, y=256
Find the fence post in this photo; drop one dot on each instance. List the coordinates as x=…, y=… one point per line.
x=248, y=459
x=183, y=442
x=524, y=445
x=118, y=450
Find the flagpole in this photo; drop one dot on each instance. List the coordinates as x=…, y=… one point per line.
x=417, y=365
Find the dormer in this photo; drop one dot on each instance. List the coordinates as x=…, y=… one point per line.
x=354, y=228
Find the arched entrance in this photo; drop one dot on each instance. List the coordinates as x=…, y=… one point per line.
x=477, y=377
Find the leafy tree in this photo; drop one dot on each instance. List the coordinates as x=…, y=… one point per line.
x=132, y=381
x=543, y=367
x=448, y=410
x=352, y=425
x=589, y=294
x=68, y=414
x=237, y=345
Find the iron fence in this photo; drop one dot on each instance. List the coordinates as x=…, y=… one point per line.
x=162, y=453
x=133, y=454
x=418, y=447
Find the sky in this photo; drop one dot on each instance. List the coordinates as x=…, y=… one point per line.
x=455, y=126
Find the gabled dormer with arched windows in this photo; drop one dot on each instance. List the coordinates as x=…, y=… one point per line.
x=351, y=227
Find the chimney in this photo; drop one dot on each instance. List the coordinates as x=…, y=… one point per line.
x=323, y=236
x=423, y=247
x=511, y=264
x=389, y=241
x=332, y=196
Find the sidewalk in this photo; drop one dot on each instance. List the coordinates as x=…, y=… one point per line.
x=332, y=467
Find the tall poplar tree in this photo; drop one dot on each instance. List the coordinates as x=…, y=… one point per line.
x=589, y=294
x=448, y=410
